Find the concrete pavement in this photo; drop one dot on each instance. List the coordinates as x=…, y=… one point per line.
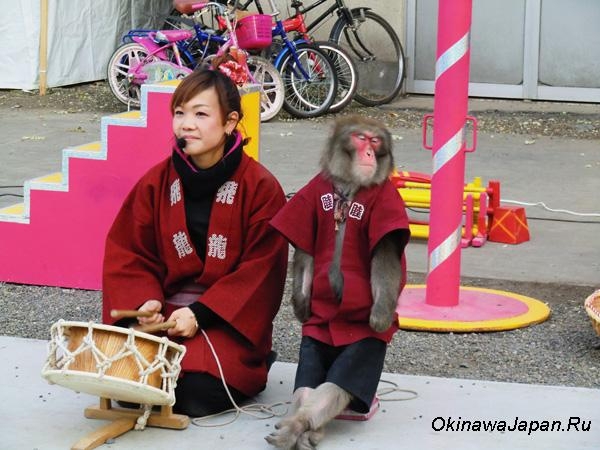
x=446, y=414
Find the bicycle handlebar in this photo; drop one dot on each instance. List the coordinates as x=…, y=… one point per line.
x=222, y=11
x=197, y=6
x=274, y=10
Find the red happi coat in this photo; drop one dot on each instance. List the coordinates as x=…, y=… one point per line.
x=149, y=255
x=307, y=222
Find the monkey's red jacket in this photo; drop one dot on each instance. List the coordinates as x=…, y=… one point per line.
x=307, y=222
x=149, y=255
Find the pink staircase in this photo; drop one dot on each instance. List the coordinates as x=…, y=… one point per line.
x=56, y=236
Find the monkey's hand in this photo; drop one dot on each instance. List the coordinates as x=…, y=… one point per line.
x=302, y=284
x=301, y=307
x=381, y=316
x=386, y=276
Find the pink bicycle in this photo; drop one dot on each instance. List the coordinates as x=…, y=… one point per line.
x=150, y=56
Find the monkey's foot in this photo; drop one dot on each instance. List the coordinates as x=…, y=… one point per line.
x=310, y=439
x=287, y=433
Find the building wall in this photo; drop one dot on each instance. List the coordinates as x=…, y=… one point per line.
x=530, y=49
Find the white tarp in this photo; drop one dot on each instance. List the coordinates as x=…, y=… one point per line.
x=82, y=35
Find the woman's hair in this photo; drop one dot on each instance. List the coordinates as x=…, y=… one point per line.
x=200, y=80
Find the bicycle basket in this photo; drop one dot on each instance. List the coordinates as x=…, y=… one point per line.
x=254, y=32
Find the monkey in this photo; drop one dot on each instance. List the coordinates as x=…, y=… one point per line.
x=349, y=229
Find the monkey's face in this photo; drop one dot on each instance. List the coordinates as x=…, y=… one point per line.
x=358, y=153
x=366, y=145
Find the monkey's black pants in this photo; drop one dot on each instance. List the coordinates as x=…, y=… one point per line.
x=356, y=368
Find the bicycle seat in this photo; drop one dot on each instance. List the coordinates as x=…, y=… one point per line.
x=163, y=36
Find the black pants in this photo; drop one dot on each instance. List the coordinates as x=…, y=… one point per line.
x=201, y=394
x=356, y=368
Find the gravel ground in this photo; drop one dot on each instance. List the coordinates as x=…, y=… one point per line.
x=563, y=350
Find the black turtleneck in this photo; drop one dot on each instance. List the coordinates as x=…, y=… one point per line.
x=199, y=189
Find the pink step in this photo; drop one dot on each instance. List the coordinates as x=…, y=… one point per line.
x=58, y=239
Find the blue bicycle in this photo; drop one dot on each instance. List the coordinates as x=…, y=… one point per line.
x=367, y=37
x=309, y=75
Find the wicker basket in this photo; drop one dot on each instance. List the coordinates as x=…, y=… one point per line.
x=254, y=32
x=592, y=307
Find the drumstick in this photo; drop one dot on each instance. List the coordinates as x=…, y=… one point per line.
x=153, y=328
x=123, y=313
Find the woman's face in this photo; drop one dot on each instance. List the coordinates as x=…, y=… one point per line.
x=200, y=123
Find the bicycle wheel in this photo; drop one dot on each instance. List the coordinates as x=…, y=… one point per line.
x=272, y=92
x=347, y=74
x=126, y=90
x=309, y=81
x=377, y=52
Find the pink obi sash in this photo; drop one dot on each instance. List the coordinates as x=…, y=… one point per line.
x=188, y=295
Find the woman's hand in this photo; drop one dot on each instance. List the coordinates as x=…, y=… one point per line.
x=186, y=324
x=152, y=306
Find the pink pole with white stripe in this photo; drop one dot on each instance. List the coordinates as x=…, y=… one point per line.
x=450, y=112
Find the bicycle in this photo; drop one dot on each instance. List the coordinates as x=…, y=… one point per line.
x=157, y=55
x=347, y=74
x=372, y=43
x=345, y=68
x=309, y=79
x=308, y=74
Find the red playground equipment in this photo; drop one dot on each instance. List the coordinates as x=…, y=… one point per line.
x=483, y=217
